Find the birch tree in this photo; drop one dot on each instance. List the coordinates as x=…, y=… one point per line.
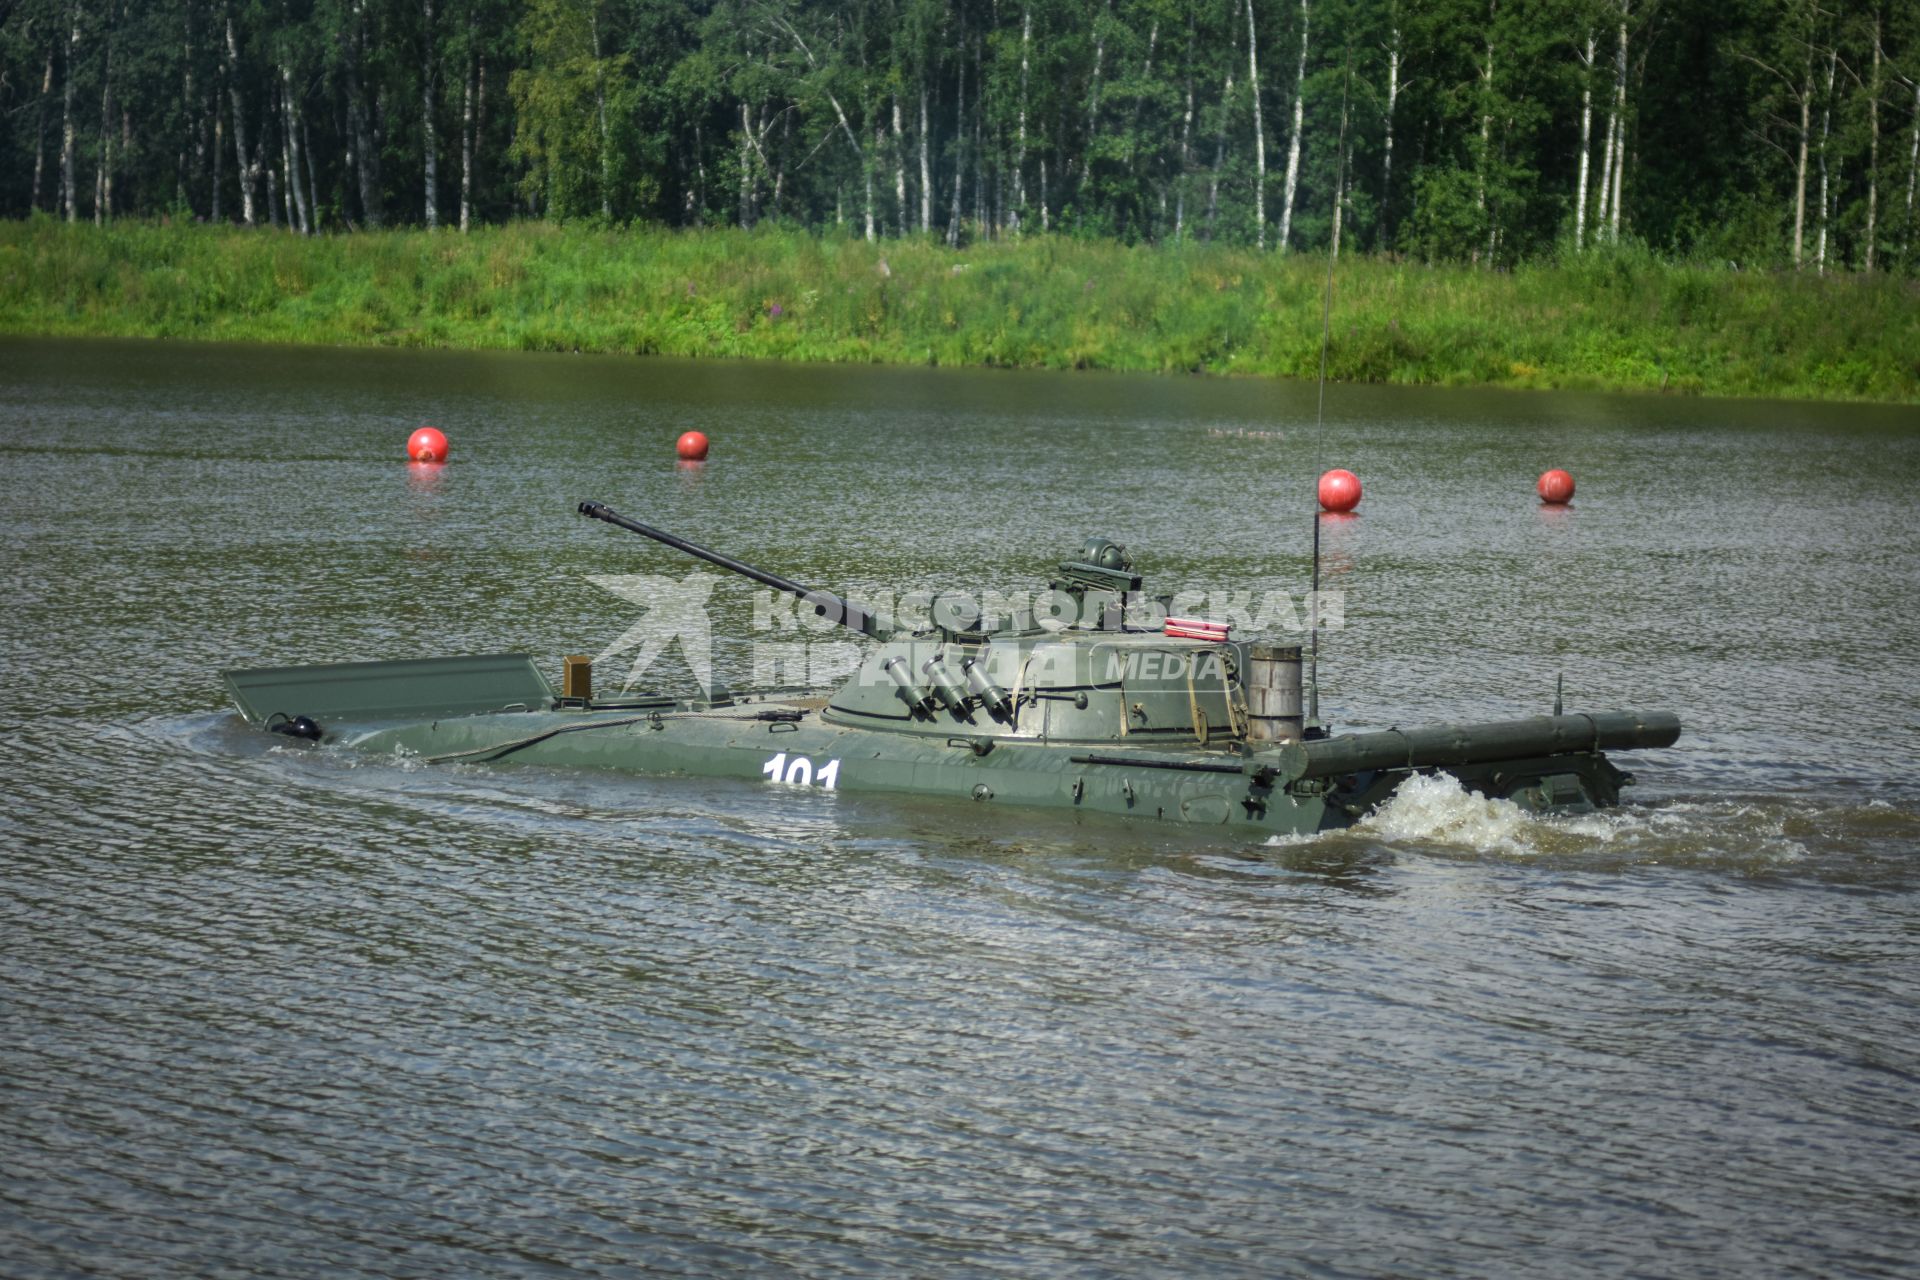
x=40, y=129
x=1260, y=137
x=1392, y=48
x=1292, y=187
x=1826, y=134
x=246, y=163
x=1790, y=64
x=1913, y=178
x=1020, y=134
x=429, y=140
x=1618, y=130
x=69, y=204
x=1586, y=57
x=1475, y=130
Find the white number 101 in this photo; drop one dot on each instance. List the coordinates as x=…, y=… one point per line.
x=800, y=772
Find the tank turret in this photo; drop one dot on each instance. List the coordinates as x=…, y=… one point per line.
x=1081, y=674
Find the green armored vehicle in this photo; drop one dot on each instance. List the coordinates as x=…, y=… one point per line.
x=1171, y=723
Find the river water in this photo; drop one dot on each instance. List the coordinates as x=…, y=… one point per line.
x=267, y=1011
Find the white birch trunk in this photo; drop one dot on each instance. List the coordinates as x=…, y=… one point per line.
x=40, y=131
x=219, y=157
x=1093, y=98
x=1486, y=129
x=1619, y=134
x=69, y=135
x=466, y=137
x=288, y=172
x=1292, y=187
x=1619, y=179
x=313, y=186
x=1340, y=180
x=366, y=158
x=780, y=174
x=1826, y=129
x=103, y=176
x=187, y=127
x=288, y=182
x=1913, y=178
x=1020, y=131
x=746, y=167
x=480, y=114
x=959, y=153
x=979, y=144
x=1393, y=96
x=846, y=127
x=1260, y=138
x=1186, y=161
x=1586, y=143
x=1133, y=117
x=860, y=152
x=926, y=167
x=294, y=156
x=1605, y=187
x=900, y=169
x=600, y=115
x=429, y=140
x=246, y=166
x=1873, y=148
x=263, y=157
x=696, y=196
x=1175, y=184
x=1800, y=169
x=879, y=140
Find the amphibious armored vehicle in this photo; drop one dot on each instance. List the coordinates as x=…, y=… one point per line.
x=1169, y=721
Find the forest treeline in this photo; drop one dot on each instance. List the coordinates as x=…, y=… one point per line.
x=1764, y=133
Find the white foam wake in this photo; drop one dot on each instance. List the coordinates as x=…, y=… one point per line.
x=1436, y=807
x=1437, y=810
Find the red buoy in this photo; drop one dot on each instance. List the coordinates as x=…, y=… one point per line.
x=692, y=446
x=427, y=444
x=1339, y=490
x=1556, y=487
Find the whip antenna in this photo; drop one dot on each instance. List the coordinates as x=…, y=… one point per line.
x=1312, y=727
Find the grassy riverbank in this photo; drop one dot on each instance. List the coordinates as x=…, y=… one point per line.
x=1617, y=320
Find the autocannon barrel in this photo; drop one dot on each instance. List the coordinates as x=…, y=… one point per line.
x=1483, y=743
x=855, y=617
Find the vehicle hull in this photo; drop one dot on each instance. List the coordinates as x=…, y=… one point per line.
x=784, y=746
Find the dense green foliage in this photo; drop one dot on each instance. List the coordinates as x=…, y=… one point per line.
x=1761, y=132
x=1614, y=318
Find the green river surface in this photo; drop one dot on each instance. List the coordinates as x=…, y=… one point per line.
x=274, y=1011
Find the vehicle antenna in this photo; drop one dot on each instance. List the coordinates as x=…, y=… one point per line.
x=1312, y=727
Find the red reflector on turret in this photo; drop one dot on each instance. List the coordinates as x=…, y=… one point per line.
x=1198, y=629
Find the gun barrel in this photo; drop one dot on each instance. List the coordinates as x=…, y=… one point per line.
x=1484, y=743
x=855, y=617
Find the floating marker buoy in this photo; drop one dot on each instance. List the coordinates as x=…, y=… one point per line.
x=692, y=446
x=427, y=444
x=1556, y=487
x=1339, y=490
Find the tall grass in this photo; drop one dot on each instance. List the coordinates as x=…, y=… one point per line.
x=1618, y=319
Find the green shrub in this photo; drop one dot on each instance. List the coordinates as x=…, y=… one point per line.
x=1614, y=316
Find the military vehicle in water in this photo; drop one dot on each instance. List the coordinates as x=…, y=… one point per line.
x=1172, y=722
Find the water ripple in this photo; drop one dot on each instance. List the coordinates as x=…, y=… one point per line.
x=267, y=1010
